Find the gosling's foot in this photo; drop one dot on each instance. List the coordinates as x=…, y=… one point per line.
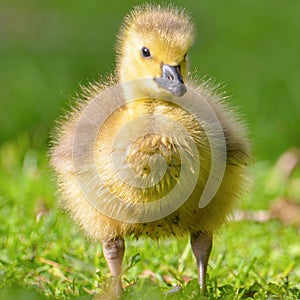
x=201, y=243
x=113, y=251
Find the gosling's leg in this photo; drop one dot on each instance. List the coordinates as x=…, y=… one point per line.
x=201, y=243
x=113, y=251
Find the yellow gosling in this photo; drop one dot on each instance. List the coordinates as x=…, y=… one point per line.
x=155, y=140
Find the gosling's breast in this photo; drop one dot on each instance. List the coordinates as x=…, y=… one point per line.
x=144, y=151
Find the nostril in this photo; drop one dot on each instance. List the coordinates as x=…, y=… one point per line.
x=170, y=77
x=171, y=73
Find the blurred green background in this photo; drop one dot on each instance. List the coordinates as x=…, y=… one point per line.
x=48, y=48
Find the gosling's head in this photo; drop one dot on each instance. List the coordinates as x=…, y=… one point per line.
x=153, y=44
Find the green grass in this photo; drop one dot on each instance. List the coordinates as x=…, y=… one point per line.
x=47, y=48
x=44, y=254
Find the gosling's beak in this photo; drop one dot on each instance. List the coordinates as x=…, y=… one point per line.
x=171, y=80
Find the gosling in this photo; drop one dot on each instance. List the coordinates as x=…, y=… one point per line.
x=116, y=161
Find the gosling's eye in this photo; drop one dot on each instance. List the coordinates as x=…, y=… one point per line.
x=145, y=52
x=185, y=56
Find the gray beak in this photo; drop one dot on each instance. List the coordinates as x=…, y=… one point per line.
x=171, y=80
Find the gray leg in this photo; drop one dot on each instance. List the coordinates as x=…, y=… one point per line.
x=201, y=243
x=113, y=251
